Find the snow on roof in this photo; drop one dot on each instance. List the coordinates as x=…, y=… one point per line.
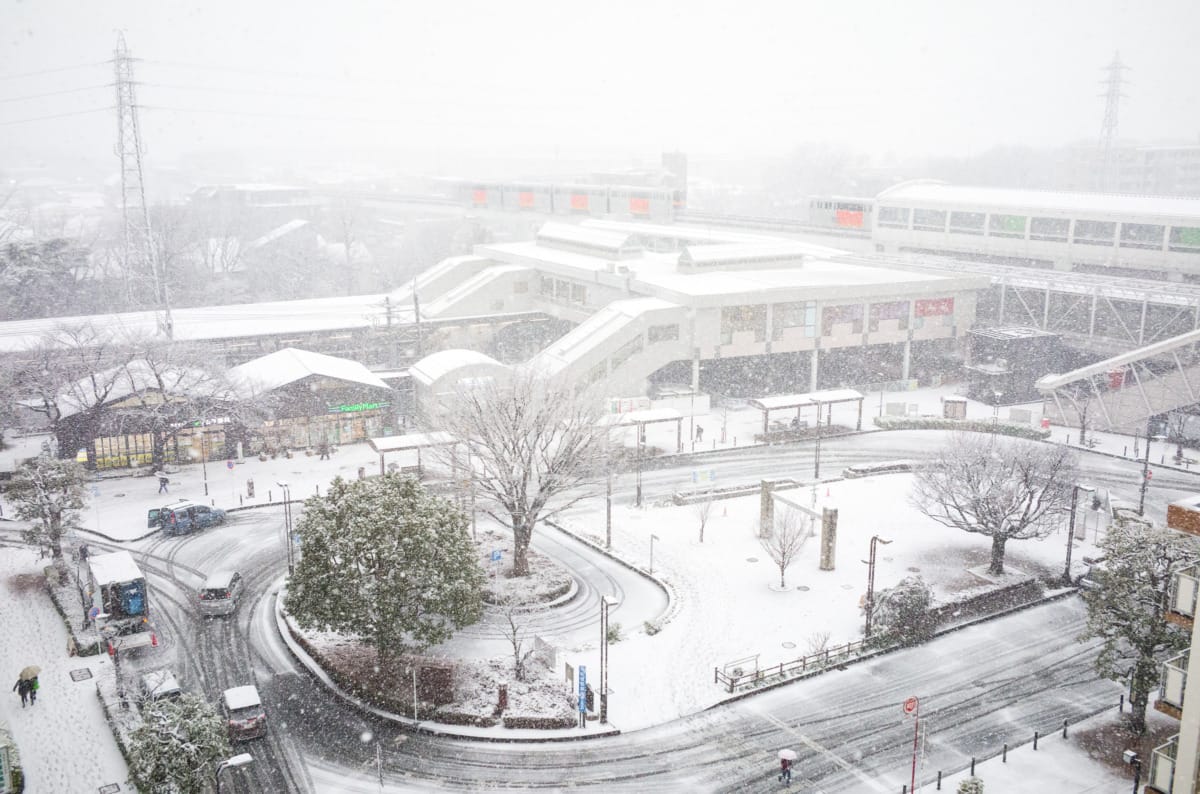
x=942, y=195
x=824, y=397
x=436, y=366
x=277, y=232
x=117, y=566
x=643, y=417
x=242, y=697
x=736, y=254
x=437, y=438
x=136, y=377
x=678, y=232
x=593, y=331
x=290, y=365
x=470, y=287
x=581, y=235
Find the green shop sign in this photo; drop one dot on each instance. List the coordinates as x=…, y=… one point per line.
x=354, y=408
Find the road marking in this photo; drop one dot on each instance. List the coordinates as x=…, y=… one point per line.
x=810, y=744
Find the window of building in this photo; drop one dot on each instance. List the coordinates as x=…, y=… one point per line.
x=893, y=310
x=1095, y=232
x=967, y=222
x=662, y=333
x=794, y=315
x=840, y=315
x=1185, y=240
x=735, y=319
x=1006, y=225
x=893, y=217
x=1142, y=235
x=929, y=220
x=578, y=293
x=562, y=289
x=547, y=286
x=626, y=352
x=1051, y=229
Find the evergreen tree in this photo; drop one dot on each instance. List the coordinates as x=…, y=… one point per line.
x=49, y=493
x=901, y=613
x=1128, y=608
x=388, y=562
x=176, y=748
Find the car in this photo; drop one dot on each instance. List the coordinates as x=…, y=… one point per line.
x=184, y=516
x=220, y=593
x=245, y=717
x=160, y=685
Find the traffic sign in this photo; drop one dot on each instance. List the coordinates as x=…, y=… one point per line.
x=495, y=555
x=93, y=612
x=1149, y=474
x=582, y=688
x=910, y=705
x=229, y=464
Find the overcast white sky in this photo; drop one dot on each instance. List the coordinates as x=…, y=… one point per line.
x=525, y=78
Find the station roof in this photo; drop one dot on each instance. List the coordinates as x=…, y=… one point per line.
x=942, y=195
x=438, y=365
x=646, y=416
x=290, y=365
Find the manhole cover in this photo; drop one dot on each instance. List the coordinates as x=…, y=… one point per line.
x=886, y=559
x=847, y=587
x=802, y=588
x=789, y=645
x=82, y=674
x=752, y=559
x=913, y=569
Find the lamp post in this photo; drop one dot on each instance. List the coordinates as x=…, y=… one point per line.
x=692, y=418
x=641, y=436
x=1146, y=475
x=652, y=539
x=287, y=524
x=870, y=605
x=237, y=760
x=1075, y=489
x=817, y=447
x=605, y=603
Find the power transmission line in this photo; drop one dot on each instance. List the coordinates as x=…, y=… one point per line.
x=20, y=75
x=55, y=93
x=8, y=122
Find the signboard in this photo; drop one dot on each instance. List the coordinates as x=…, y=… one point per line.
x=93, y=613
x=704, y=476
x=496, y=555
x=582, y=688
x=229, y=465
x=910, y=705
x=354, y=408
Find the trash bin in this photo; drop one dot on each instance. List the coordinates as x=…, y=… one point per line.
x=250, y=489
x=362, y=472
x=1045, y=423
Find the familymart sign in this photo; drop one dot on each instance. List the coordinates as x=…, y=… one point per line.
x=354, y=408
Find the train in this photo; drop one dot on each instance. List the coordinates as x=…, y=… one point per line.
x=661, y=204
x=841, y=212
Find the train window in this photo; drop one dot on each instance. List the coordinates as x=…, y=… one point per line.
x=967, y=222
x=850, y=206
x=1006, y=225
x=1185, y=239
x=929, y=220
x=893, y=217
x=1052, y=229
x=1142, y=235
x=1095, y=232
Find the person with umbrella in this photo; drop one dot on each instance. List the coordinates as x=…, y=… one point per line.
x=786, y=757
x=26, y=685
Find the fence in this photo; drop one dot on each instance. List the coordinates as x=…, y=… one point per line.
x=785, y=670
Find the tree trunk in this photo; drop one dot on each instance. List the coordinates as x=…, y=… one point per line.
x=782, y=582
x=997, y=566
x=1138, y=699
x=521, y=537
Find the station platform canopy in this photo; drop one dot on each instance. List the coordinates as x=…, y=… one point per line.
x=408, y=442
x=798, y=402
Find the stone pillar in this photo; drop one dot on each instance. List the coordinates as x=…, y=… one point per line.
x=829, y=517
x=766, y=510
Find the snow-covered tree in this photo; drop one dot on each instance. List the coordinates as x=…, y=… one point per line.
x=49, y=493
x=532, y=441
x=177, y=746
x=901, y=613
x=518, y=634
x=1003, y=488
x=1127, y=610
x=971, y=785
x=785, y=542
x=387, y=561
x=703, y=513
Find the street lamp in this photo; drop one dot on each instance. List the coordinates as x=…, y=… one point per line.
x=870, y=605
x=237, y=760
x=1134, y=760
x=1071, y=531
x=1146, y=471
x=652, y=539
x=605, y=603
x=287, y=524
x=817, y=447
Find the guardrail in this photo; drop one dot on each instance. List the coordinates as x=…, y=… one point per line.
x=784, y=670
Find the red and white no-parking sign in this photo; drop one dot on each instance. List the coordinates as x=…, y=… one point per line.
x=910, y=706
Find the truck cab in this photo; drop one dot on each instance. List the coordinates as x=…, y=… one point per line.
x=118, y=601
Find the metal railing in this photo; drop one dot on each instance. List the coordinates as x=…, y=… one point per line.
x=1174, y=680
x=1162, y=765
x=785, y=670
x=1185, y=586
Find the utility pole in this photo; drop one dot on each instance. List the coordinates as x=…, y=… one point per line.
x=1145, y=474
x=870, y=605
x=135, y=213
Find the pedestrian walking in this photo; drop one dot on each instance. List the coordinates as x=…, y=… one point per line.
x=785, y=771
x=323, y=448
x=699, y=433
x=33, y=690
x=23, y=688
x=163, y=481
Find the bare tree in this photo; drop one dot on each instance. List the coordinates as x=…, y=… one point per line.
x=1008, y=490
x=531, y=440
x=703, y=512
x=517, y=633
x=1177, y=422
x=785, y=542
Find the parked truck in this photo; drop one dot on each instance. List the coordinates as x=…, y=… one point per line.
x=118, y=602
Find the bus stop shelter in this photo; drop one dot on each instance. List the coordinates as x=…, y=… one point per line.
x=648, y=416
x=798, y=402
x=408, y=442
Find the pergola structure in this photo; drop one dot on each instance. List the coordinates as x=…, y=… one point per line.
x=648, y=416
x=408, y=442
x=798, y=402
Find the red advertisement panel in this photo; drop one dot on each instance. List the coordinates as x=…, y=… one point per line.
x=849, y=218
x=934, y=307
x=639, y=206
x=525, y=199
x=479, y=198
x=579, y=201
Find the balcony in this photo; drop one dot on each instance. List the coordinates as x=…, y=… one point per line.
x=1162, y=767
x=1185, y=585
x=1174, y=682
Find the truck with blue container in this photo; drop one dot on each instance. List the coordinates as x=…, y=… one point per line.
x=117, y=601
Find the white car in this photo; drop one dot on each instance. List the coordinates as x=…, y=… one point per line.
x=244, y=713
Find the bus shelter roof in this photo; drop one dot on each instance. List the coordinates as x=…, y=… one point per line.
x=437, y=438
x=825, y=397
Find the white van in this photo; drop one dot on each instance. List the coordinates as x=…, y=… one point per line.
x=220, y=593
x=160, y=685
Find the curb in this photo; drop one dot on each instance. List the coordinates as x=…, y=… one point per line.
x=417, y=726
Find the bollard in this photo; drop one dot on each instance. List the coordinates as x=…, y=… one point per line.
x=1035, y=738
x=904, y=789
x=1068, y=439
x=318, y=490
x=269, y=498
x=1125, y=451
x=972, y=766
x=206, y=487
x=1121, y=705
x=1064, y=729
x=1004, y=754
x=939, y=785
x=240, y=502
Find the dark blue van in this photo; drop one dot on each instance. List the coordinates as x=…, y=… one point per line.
x=182, y=517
